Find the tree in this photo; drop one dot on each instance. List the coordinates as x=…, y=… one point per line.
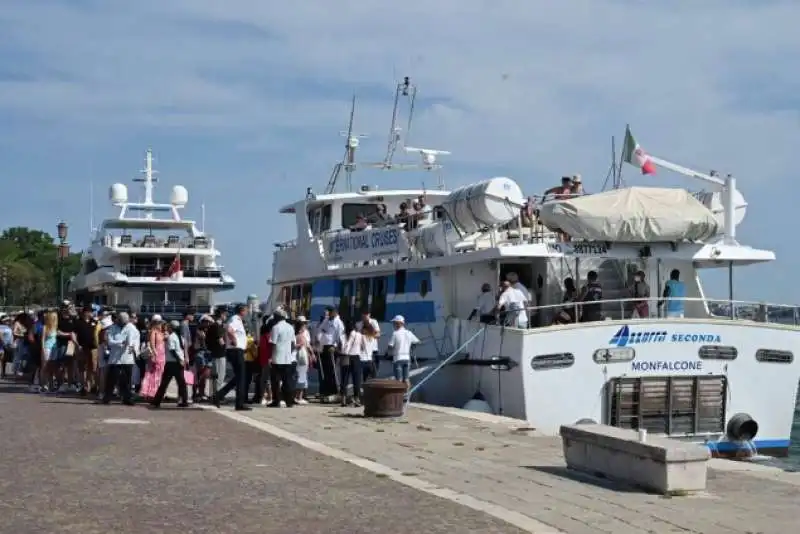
x=29, y=260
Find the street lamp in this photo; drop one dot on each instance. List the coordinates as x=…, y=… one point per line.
x=63, y=254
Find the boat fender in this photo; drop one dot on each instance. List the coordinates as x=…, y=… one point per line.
x=585, y=421
x=741, y=427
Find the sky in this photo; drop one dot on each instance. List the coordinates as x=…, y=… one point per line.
x=243, y=102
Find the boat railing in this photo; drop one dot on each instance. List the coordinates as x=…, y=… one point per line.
x=150, y=241
x=170, y=308
x=689, y=308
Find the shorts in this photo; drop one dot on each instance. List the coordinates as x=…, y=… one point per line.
x=401, y=370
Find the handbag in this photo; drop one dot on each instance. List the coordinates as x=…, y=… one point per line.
x=302, y=356
x=188, y=376
x=70, y=350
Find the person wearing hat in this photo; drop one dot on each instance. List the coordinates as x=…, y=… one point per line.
x=103, y=325
x=283, y=362
x=577, y=186
x=121, y=342
x=400, y=345
x=329, y=337
x=174, y=366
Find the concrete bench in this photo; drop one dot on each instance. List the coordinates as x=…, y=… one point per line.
x=656, y=464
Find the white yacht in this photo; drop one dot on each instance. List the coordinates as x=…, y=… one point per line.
x=148, y=258
x=709, y=373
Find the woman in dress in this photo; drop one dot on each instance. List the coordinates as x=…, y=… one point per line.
x=48, y=350
x=156, y=359
x=305, y=358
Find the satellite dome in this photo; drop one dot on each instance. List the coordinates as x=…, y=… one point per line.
x=179, y=196
x=118, y=194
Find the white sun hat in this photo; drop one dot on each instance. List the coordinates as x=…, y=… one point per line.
x=399, y=319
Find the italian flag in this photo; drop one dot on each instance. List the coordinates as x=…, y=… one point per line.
x=635, y=155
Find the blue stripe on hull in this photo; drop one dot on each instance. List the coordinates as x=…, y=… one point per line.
x=413, y=312
x=733, y=446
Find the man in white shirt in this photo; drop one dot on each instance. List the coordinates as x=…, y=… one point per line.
x=235, y=345
x=330, y=335
x=485, y=306
x=366, y=318
x=512, y=303
x=284, y=361
x=400, y=346
x=530, y=298
x=120, y=340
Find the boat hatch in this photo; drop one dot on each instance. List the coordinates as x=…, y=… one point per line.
x=676, y=405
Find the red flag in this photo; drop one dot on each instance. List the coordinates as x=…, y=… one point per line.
x=174, y=269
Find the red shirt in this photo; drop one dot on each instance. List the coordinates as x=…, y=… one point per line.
x=264, y=350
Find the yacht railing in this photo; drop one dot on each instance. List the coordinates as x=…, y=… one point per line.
x=173, y=308
x=633, y=308
x=150, y=272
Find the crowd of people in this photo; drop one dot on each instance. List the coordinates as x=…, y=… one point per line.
x=264, y=360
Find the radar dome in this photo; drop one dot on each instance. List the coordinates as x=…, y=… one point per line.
x=179, y=196
x=118, y=194
x=714, y=202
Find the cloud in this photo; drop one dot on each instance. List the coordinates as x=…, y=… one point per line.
x=530, y=89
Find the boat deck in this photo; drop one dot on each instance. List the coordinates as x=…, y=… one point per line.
x=512, y=472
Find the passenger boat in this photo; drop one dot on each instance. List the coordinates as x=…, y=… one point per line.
x=722, y=374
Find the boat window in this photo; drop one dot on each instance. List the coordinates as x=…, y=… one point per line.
x=362, y=296
x=717, y=352
x=319, y=218
x=378, y=304
x=399, y=282
x=305, y=305
x=346, y=300
x=559, y=360
x=423, y=287
x=614, y=355
x=774, y=356
x=285, y=296
x=673, y=405
x=438, y=213
x=350, y=211
x=295, y=300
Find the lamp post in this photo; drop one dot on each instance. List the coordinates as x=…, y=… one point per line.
x=63, y=253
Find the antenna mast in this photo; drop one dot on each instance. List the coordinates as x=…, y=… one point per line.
x=407, y=91
x=348, y=162
x=148, y=180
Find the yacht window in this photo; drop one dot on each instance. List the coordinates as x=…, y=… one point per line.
x=717, y=352
x=378, y=304
x=351, y=211
x=676, y=405
x=295, y=301
x=559, y=360
x=774, y=356
x=423, y=287
x=305, y=306
x=438, y=213
x=614, y=355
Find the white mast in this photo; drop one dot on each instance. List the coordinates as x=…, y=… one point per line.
x=148, y=180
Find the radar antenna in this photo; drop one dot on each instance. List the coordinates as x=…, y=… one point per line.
x=348, y=162
x=405, y=90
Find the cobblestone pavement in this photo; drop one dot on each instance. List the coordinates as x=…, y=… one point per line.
x=68, y=466
x=511, y=466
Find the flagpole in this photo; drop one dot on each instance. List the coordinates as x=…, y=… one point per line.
x=621, y=156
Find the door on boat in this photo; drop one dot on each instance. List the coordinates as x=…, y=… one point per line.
x=531, y=273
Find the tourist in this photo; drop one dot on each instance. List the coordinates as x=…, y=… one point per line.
x=175, y=363
x=331, y=332
x=305, y=358
x=49, y=353
x=366, y=319
x=156, y=358
x=282, y=368
x=215, y=343
x=674, y=296
x=370, y=357
x=121, y=341
x=640, y=293
x=354, y=348
x=511, y=303
x=568, y=313
x=485, y=305
x=253, y=370
x=235, y=345
x=591, y=299
x=142, y=325
x=6, y=344
x=87, y=350
x=65, y=349
x=202, y=359
x=102, y=353
x=400, y=345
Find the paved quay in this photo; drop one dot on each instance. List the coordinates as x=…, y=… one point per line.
x=69, y=465
x=513, y=473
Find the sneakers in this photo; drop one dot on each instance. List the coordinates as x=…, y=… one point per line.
x=301, y=401
x=64, y=388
